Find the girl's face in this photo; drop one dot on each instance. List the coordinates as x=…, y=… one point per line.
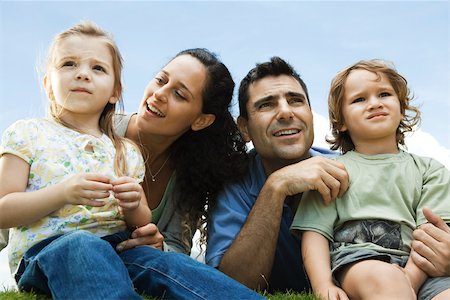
x=173, y=100
x=81, y=76
x=371, y=109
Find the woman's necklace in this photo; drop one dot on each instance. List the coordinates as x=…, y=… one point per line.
x=153, y=176
x=157, y=172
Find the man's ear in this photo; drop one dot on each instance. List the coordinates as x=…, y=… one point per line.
x=243, y=128
x=203, y=121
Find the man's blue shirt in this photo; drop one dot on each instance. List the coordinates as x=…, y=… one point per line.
x=233, y=206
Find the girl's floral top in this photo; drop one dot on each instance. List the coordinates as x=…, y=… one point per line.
x=55, y=153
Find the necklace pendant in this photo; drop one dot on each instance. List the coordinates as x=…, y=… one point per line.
x=153, y=179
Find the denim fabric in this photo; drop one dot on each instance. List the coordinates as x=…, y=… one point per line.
x=80, y=265
x=170, y=275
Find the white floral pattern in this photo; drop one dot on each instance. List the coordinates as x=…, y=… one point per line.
x=55, y=153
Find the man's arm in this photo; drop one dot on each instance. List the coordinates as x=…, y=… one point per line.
x=432, y=246
x=250, y=257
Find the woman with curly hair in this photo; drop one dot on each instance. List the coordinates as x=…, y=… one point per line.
x=191, y=147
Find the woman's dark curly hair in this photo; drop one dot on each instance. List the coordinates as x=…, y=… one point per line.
x=205, y=160
x=411, y=114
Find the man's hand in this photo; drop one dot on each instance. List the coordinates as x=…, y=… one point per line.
x=326, y=176
x=147, y=235
x=432, y=246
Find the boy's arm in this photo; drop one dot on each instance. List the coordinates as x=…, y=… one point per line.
x=316, y=259
x=414, y=274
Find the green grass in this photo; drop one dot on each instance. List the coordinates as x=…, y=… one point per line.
x=15, y=295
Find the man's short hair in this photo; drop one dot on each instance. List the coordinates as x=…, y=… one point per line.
x=275, y=67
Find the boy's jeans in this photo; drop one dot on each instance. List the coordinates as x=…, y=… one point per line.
x=80, y=265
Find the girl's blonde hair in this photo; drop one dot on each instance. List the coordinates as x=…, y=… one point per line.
x=90, y=29
x=411, y=114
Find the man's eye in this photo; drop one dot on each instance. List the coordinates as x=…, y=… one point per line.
x=297, y=100
x=99, y=68
x=264, y=105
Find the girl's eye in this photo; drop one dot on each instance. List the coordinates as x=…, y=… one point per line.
x=68, y=63
x=360, y=99
x=99, y=68
x=385, y=94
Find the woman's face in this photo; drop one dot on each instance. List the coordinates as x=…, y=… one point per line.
x=173, y=100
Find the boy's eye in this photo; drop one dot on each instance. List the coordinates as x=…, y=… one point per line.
x=99, y=68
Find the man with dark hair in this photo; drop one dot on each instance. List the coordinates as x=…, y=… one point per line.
x=248, y=235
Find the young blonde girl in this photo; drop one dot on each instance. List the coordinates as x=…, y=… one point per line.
x=70, y=176
x=370, y=227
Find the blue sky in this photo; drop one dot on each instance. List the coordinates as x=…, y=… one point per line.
x=318, y=38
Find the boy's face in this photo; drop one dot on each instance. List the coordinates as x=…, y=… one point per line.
x=280, y=121
x=371, y=111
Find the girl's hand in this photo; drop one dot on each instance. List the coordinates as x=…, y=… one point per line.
x=128, y=192
x=86, y=189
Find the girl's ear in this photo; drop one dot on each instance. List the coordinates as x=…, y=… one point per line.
x=48, y=87
x=243, y=128
x=203, y=121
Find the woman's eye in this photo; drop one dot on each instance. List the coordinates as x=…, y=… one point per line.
x=159, y=80
x=180, y=95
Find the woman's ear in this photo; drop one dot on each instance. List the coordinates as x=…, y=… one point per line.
x=203, y=121
x=243, y=128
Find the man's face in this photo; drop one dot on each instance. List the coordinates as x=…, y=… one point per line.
x=280, y=121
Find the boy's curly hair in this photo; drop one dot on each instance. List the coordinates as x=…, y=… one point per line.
x=411, y=114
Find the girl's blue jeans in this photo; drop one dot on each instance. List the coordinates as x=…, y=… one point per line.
x=80, y=265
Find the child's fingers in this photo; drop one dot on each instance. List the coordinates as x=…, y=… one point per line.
x=122, y=180
x=97, y=177
x=128, y=196
x=126, y=187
